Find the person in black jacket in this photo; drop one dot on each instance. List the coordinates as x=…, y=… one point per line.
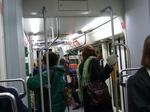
x=5, y=103
x=139, y=95
x=97, y=73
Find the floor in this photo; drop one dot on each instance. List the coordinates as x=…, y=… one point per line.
x=81, y=109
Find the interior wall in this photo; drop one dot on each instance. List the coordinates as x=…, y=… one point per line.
x=14, y=42
x=137, y=18
x=2, y=51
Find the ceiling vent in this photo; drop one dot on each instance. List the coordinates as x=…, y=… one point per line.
x=73, y=5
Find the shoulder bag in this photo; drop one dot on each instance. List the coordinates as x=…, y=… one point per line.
x=97, y=91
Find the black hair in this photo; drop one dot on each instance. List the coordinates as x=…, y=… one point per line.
x=53, y=59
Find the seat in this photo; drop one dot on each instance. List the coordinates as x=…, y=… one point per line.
x=128, y=93
x=6, y=104
x=125, y=81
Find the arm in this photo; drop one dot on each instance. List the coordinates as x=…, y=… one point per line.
x=102, y=74
x=34, y=82
x=72, y=70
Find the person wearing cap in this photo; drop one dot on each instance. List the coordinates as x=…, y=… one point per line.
x=36, y=70
x=66, y=59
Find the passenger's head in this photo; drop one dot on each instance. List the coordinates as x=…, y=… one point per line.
x=53, y=59
x=80, y=57
x=66, y=56
x=88, y=50
x=145, y=61
x=62, y=61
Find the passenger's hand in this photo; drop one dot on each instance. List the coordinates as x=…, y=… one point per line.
x=112, y=60
x=77, y=90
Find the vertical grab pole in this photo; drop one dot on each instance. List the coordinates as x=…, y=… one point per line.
x=41, y=81
x=31, y=59
x=113, y=45
x=52, y=30
x=47, y=62
x=31, y=55
x=40, y=70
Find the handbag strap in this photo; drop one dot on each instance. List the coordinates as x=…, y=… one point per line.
x=90, y=70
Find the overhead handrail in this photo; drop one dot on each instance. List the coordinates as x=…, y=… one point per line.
x=86, y=33
x=81, y=44
x=121, y=82
x=113, y=47
x=112, y=25
x=47, y=63
x=12, y=99
x=22, y=95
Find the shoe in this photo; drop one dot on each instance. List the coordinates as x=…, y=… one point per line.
x=76, y=107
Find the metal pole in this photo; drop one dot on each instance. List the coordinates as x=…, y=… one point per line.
x=81, y=44
x=128, y=52
x=113, y=42
x=52, y=30
x=58, y=28
x=22, y=95
x=47, y=60
x=40, y=67
x=12, y=99
x=31, y=59
x=41, y=81
x=120, y=81
x=31, y=55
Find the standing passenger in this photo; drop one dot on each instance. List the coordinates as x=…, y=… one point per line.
x=140, y=84
x=66, y=56
x=97, y=73
x=36, y=69
x=69, y=70
x=57, y=85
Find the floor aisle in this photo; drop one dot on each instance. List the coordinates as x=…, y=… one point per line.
x=77, y=110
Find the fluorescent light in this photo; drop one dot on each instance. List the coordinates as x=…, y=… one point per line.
x=73, y=36
x=34, y=25
x=35, y=38
x=98, y=21
x=33, y=13
x=105, y=31
x=59, y=45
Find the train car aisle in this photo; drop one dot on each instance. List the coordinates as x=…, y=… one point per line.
x=81, y=109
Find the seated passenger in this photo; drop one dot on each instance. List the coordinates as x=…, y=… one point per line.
x=5, y=103
x=57, y=86
x=140, y=85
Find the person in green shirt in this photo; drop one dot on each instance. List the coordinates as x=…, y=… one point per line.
x=57, y=85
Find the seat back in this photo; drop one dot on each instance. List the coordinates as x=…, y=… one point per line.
x=128, y=93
